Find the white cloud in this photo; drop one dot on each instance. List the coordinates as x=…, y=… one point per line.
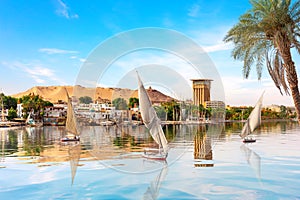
x=64, y=10
x=73, y=57
x=239, y=91
x=217, y=47
x=36, y=71
x=211, y=38
x=167, y=22
x=82, y=60
x=39, y=71
x=56, y=51
x=194, y=10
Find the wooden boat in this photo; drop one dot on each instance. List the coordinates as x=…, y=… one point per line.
x=155, y=154
x=249, y=140
x=71, y=124
x=31, y=122
x=67, y=139
x=152, y=123
x=252, y=122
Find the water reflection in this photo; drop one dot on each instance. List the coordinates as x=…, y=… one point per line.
x=253, y=159
x=2, y=146
x=124, y=142
x=152, y=191
x=204, y=140
x=74, y=156
x=57, y=163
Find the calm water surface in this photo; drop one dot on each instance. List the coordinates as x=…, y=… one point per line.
x=204, y=162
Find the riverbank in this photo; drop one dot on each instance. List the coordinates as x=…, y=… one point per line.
x=10, y=124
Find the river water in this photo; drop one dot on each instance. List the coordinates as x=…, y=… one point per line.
x=204, y=162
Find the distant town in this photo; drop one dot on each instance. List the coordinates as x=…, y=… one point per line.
x=122, y=109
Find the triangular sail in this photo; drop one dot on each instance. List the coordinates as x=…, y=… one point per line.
x=71, y=123
x=150, y=118
x=253, y=120
x=28, y=118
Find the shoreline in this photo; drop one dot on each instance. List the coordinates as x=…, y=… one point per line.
x=10, y=124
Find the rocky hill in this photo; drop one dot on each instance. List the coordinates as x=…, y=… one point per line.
x=100, y=94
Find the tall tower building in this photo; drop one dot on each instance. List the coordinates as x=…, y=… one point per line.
x=201, y=91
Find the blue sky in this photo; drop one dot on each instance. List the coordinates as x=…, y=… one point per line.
x=47, y=42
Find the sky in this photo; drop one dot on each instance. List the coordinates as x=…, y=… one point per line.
x=45, y=43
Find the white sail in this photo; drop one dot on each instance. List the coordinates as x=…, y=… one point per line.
x=150, y=118
x=28, y=118
x=253, y=120
x=30, y=121
x=71, y=124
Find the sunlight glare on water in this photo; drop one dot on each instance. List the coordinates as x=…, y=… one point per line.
x=204, y=162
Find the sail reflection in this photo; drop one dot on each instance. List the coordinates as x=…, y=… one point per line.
x=253, y=159
x=74, y=156
x=2, y=146
x=152, y=191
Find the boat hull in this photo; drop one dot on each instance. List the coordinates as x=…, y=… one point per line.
x=154, y=154
x=70, y=139
x=249, y=140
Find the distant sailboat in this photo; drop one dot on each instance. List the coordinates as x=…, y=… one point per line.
x=252, y=122
x=71, y=124
x=30, y=121
x=72, y=136
x=152, y=122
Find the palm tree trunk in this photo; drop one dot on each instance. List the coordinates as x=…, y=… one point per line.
x=293, y=84
x=291, y=74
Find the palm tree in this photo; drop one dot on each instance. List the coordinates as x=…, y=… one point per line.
x=267, y=33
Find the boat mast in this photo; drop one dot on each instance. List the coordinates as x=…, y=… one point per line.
x=2, y=106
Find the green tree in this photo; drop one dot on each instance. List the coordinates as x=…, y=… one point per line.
x=172, y=109
x=86, y=100
x=8, y=101
x=34, y=103
x=133, y=101
x=283, y=112
x=267, y=33
x=120, y=104
x=229, y=114
x=12, y=113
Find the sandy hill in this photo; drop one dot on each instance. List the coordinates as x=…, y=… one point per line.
x=56, y=93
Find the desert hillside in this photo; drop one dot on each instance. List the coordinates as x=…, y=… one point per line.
x=56, y=93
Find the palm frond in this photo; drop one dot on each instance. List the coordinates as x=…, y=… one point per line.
x=277, y=71
x=269, y=26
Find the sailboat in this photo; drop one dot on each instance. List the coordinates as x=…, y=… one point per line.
x=152, y=123
x=71, y=124
x=31, y=122
x=252, y=122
